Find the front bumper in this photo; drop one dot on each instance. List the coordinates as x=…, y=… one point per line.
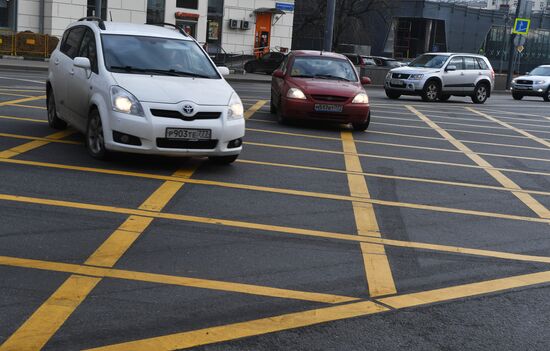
x=405, y=86
x=305, y=110
x=151, y=131
x=530, y=90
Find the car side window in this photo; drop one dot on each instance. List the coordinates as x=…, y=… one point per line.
x=88, y=49
x=284, y=65
x=458, y=62
x=71, y=44
x=482, y=64
x=470, y=63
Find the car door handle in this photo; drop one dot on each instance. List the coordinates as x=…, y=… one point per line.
x=71, y=72
x=461, y=73
x=56, y=62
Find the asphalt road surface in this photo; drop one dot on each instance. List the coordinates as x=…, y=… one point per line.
x=430, y=231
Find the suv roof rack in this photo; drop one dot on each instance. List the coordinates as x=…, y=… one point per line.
x=101, y=23
x=170, y=25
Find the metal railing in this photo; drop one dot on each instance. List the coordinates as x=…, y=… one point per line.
x=27, y=44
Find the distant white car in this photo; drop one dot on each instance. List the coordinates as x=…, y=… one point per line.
x=535, y=83
x=143, y=89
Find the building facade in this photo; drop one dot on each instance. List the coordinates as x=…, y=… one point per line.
x=230, y=26
x=536, y=5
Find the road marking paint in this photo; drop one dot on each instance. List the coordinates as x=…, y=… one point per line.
x=25, y=80
x=26, y=137
x=527, y=199
x=35, y=331
x=15, y=95
x=377, y=267
x=466, y=290
x=35, y=144
x=24, y=119
x=29, y=106
x=228, y=332
x=161, y=196
x=252, y=110
x=2, y=88
x=219, y=285
x=513, y=113
x=279, y=229
x=523, y=132
x=27, y=99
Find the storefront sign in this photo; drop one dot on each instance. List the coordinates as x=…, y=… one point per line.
x=284, y=6
x=187, y=16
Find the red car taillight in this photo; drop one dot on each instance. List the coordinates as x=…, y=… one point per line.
x=493, y=74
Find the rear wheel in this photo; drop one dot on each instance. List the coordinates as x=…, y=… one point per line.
x=517, y=96
x=546, y=96
x=444, y=97
x=95, y=140
x=362, y=126
x=431, y=91
x=481, y=93
x=250, y=67
x=54, y=121
x=223, y=160
x=392, y=95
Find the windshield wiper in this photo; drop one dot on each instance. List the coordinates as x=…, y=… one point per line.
x=190, y=74
x=330, y=76
x=170, y=72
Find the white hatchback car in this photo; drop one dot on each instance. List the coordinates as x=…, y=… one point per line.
x=143, y=89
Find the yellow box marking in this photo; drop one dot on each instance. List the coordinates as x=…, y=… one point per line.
x=527, y=199
x=29, y=106
x=35, y=332
x=246, y=329
x=517, y=130
x=16, y=95
x=18, y=101
x=20, y=149
x=377, y=267
x=161, y=196
x=24, y=119
x=254, y=108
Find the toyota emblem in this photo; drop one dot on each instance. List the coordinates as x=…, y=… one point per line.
x=188, y=109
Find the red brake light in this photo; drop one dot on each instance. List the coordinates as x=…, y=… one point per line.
x=493, y=74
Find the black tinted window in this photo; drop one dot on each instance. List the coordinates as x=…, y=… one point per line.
x=71, y=43
x=88, y=49
x=458, y=62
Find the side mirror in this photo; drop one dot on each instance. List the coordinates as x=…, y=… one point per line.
x=82, y=62
x=450, y=68
x=279, y=74
x=527, y=73
x=224, y=71
x=365, y=80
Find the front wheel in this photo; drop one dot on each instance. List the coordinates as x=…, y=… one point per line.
x=431, y=91
x=54, y=121
x=95, y=140
x=223, y=160
x=361, y=126
x=517, y=96
x=546, y=96
x=281, y=118
x=249, y=67
x=481, y=93
x=272, y=108
x=392, y=95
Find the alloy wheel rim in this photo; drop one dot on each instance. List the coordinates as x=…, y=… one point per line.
x=95, y=136
x=432, y=92
x=481, y=93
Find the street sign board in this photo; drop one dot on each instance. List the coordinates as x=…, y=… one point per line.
x=284, y=6
x=520, y=48
x=521, y=26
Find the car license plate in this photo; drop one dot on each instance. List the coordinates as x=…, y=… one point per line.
x=522, y=88
x=188, y=134
x=397, y=82
x=328, y=108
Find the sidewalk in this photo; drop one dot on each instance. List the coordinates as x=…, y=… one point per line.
x=42, y=66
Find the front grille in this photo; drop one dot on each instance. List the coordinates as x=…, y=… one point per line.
x=330, y=98
x=397, y=85
x=524, y=82
x=400, y=76
x=178, y=115
x=186, y=144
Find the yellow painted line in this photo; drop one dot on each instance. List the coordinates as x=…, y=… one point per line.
x=517, y=130
x=102, y=272
x=29, y=106
x=527, y=199
x=228, y=332
x=26, y=137
x=279, y=229
x=23, y=90
x=467, y=290
x=441, y=122
x=512, y=113
x=20, y=149
x=396, y=158
x=254, y=108
x=377, y=267
x=24, y=119
x=53, y=312
x=486, y=124
x=161, y=196
x=18, y=101
x=15, y=95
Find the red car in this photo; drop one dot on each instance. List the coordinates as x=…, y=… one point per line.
x=313, y=85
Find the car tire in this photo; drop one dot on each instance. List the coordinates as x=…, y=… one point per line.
x=517, y=96
x=546, y=96
x=223, y=160
x=281, y=118
x=481, y=93
x=392, y=95
x=53, y=120
x=95, y=138
x=431, y=91
x=272, y=107
x=444, y=97
x=362, y=126
x=249, y=67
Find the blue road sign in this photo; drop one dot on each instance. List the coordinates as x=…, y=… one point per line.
x=284, y=6
x=521, y=26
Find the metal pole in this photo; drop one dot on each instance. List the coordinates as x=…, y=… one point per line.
x=98, y=9
x=329, y=25
x=41, y=17
x=512, y=52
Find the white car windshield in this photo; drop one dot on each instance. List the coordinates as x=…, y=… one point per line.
x=429, y=61
x=156, y=56
x=540, y=71
x=323, y=68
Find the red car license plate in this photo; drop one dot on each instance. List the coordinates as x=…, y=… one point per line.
x=328, y=108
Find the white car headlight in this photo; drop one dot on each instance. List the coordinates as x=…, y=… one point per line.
x=514, y=81
x=361, y=98
x=416, y=76
x=540, y=82
x=123, y=101
x=295, y=93
x=236, y=109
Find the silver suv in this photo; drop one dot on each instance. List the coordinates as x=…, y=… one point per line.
x=437, y=76
x=535, y=83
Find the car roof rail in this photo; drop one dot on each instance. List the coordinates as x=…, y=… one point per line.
x=170, y=25
x=100, y=22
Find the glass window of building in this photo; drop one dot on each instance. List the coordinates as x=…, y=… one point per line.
x=90, y=9
x=188, y=4
x=214, y=25
x=155, y=11
x=7, y=14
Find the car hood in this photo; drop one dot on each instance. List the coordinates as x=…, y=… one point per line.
x=545, y=78
x=327, y=87
x=414, y=70
x=171, y=90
